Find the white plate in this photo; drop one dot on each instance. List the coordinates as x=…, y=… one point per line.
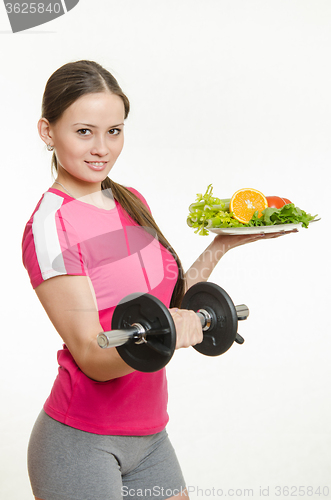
x=277, y=228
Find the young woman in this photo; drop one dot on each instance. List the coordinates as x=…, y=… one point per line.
x=101, y=434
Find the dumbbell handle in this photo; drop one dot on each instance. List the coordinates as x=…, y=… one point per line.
x=115, y=338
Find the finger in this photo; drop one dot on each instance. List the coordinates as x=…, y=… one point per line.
x=280, y=233
x=198, y=327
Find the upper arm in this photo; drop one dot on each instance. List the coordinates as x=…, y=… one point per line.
x=70, y=304
x=56, y=261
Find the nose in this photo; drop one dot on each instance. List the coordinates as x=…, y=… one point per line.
x=99, y=147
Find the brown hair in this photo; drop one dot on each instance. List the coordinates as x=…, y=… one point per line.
x=64, y=87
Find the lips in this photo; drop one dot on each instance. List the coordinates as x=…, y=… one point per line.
x=96, y=165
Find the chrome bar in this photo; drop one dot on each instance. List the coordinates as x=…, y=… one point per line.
x=205, y=319
x=116, y=338
x=242, y=312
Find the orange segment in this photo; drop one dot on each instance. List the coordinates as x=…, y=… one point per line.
x=245, y=202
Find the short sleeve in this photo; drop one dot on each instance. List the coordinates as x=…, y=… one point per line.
x=50, y=244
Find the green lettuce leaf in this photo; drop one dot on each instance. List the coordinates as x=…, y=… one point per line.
x=288, y=214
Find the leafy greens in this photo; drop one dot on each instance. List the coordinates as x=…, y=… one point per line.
x=211, y=212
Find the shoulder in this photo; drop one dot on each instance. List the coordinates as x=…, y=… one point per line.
x=140, y=196
x=44, y=216
x=50, y=202
x=45, y=235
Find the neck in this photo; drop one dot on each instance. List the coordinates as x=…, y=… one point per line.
x=77, y=187
x=89, y=196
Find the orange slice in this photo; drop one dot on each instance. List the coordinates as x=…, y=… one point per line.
x=245, y=202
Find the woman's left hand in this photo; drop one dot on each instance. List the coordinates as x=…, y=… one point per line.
x=225, y=242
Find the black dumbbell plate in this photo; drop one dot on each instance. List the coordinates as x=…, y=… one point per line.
x=222, y=333
x=153, y=315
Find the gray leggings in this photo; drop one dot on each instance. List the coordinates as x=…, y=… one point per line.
x=68, y=464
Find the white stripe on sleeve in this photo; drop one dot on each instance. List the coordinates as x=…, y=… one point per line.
x=46, y=238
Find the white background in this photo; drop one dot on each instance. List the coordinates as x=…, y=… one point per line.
x=230, y=92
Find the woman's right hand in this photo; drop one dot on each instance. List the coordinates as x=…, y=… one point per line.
x=188, y=327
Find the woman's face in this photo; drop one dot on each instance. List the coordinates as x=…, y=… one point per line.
x=88, y=137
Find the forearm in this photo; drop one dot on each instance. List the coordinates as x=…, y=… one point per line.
x=202, y=268
x=204, y=265
x=102, y=364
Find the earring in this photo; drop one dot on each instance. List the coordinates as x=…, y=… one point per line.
x=49, y=147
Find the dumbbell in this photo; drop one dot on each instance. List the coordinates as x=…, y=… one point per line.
x=144, y=332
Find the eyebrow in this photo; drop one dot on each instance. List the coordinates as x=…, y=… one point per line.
x=94, y=126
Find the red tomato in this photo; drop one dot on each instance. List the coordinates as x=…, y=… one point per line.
x=277, y=202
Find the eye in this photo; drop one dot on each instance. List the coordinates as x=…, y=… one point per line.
x=84, y=131
x=115, y=131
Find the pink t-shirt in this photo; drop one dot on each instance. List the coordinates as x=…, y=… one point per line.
x=68, y=236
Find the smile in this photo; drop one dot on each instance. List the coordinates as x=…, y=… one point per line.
x=96, y=165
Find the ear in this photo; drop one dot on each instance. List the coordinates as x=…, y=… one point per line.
x=44, y=130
